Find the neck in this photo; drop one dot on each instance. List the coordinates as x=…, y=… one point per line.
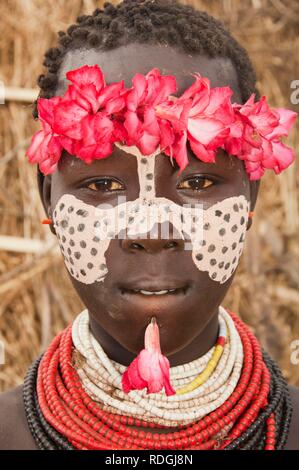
x=201, y=344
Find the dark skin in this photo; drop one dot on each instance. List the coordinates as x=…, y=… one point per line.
x=115, y=314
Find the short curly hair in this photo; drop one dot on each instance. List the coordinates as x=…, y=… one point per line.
x=148, y=21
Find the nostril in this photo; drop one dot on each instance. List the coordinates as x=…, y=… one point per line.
x=151, y=245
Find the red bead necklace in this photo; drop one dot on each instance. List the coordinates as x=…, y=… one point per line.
x=69, y=409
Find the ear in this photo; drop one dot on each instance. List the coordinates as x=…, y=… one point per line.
x=254, y=189
x=44, y=187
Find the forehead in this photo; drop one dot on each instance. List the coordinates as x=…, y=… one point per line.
x=124, y=62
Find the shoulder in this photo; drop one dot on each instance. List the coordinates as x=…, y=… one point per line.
x=14, y=431
x=293, y=438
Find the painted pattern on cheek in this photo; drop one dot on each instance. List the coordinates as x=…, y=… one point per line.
x=224, y=230
x=84, y=232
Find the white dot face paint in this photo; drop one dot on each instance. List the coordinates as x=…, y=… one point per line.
x=216, y=235
x=224, y=227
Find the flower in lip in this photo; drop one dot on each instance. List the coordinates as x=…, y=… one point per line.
x=150, y=369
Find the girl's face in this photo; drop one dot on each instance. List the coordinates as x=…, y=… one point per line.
x=96, y=210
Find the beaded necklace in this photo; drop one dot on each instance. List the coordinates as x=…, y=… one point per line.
x=68, y=407
x=217, y=379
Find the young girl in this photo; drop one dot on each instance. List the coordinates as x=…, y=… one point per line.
x=142, y=136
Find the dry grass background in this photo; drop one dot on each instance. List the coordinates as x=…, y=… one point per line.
x=36, y=298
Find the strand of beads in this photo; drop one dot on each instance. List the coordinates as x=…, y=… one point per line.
x=194, y=404
x=88, y=346
x=255, y=442
x=94, y=365
x=68, y=408
x=207, y=372
x=46, y=437
x=276, y=416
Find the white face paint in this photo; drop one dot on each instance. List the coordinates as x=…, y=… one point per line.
x=84, y=232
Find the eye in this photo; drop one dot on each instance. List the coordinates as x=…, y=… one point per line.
x=196, y=183
x=105, y=184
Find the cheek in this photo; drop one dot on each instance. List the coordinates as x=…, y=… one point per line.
x=223, y=236
x=84, y=233
x=82, y=246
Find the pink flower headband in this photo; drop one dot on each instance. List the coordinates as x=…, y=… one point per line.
x=91, y=116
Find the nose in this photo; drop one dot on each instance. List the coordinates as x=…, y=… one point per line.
x=152, y=244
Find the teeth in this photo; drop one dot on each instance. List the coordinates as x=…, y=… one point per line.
x=158, y=292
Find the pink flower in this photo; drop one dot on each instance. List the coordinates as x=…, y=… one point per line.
x=83, y=115
x=203, y=116
x=96, y=142
x=150, y=368
x=91, y=92
x=45, y=147
x=80, y=121
x=92, y=116
x=141, y=120
x=260, y=144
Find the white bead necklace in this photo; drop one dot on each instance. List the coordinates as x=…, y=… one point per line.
x=101, y=379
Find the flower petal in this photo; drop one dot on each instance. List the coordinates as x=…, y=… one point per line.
x=179, y=151
x=282, y=155
x=45, y=108
x=87, y=75
x=204, y=130
x=201, y=152
x=131, y=378
x=165, y=368
x=67, y=119
x=287, y=119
